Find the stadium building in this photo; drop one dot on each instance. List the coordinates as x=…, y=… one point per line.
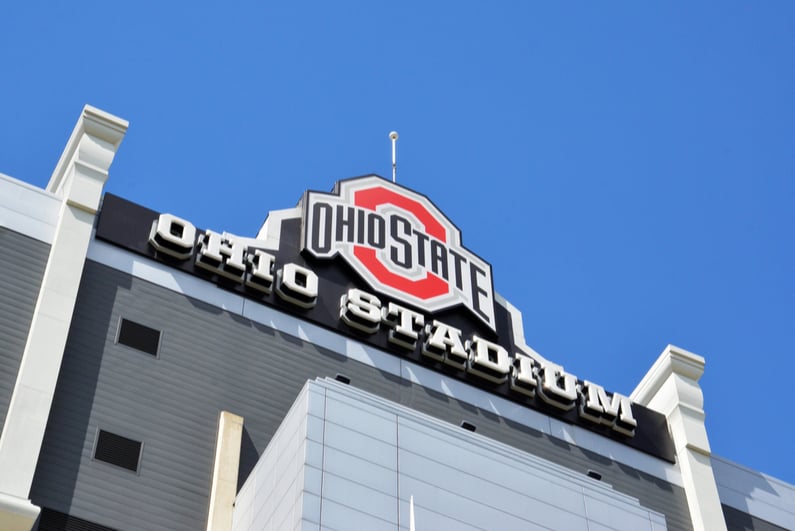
x=350, y=367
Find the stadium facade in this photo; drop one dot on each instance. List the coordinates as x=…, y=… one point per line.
x=350, y=367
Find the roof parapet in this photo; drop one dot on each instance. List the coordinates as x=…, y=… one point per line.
x=90, y=149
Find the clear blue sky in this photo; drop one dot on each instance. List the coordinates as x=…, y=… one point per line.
x=626, y=167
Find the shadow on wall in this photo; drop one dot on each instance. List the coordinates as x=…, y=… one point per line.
x=68, y=427
x=751, y=500
x=248, y=458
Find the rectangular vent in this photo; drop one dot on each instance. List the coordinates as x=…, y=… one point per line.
x=51, y=520
x=117, y=450
x=139, y=337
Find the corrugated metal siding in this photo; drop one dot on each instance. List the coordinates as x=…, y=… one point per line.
x=209, y=361
x=50, y=520
x=212, y=360
x=22, y=264
x=737, y=520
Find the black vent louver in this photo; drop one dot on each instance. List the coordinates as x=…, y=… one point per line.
x=51, y=520
x=139, y=337
x=117, y=450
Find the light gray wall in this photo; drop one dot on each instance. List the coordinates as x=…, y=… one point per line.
x=22, y=263
x=652, y=491
x=345, y=459
x=752, y=500
x=282, y=472
x=211, y=360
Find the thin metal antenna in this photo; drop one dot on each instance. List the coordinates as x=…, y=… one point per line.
x=394, y=136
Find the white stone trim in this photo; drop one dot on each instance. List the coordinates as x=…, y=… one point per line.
x=77, y=181
x=17, y=514
x=186, y=284
x=88, y=154
x=223, y=487
x=28, y=210
x=517, y=326
x=271, y=229
x=671, y=387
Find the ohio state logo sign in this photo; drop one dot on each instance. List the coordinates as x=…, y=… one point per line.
x=400, y=244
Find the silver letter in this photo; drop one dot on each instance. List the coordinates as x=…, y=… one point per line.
x=488, y=360
x=616, y=412
x=221, y=254
x=360, y=310
x=261, y=275
x=406, y=325
x=557, y=388
x=523, y=380
x=297, y=285
x=173, y=236
x=444, y=344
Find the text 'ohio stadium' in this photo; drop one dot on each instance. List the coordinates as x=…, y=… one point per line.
x=349, y=367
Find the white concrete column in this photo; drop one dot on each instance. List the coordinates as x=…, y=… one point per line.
x=78, y=179
x=227, y=462
x=671, y=387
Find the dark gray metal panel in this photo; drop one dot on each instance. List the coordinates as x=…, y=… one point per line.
x=737, y=520
x=22, y=264
x=209, y=361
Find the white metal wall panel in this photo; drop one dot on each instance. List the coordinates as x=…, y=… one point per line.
x=458, y=480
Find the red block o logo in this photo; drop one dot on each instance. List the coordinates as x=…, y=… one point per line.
x=426, y=288
x=399, y=243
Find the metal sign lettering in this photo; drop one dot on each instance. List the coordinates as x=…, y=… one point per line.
x=400, y=244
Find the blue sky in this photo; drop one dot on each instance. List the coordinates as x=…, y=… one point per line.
x=627, y=168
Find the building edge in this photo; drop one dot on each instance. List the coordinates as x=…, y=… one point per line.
x=78, y=181
x=671, y=387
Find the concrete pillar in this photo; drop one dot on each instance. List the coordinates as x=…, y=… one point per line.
x=671, y=387
x=227, y=462
x=78, y=180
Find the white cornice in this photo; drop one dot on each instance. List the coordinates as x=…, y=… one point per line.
x=673, y=360
x=90, y=150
